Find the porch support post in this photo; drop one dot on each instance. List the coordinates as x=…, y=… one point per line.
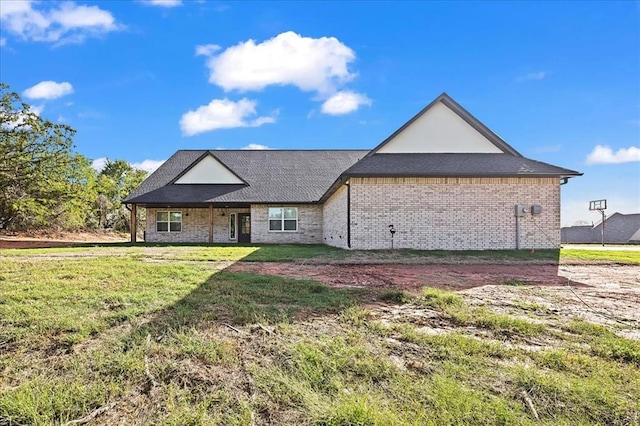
x=210, y=223
x=134, y=223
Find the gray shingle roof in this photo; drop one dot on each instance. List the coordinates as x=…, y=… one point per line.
x=578, y=234
x=454, y=164
x=272, y=176
x=619, y=228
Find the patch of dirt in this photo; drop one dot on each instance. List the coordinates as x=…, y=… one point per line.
x=601, y=294
x=413, y=277
x=617, y=308
x=49, y=239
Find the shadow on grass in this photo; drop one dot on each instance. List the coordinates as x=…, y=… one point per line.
x=240, y=298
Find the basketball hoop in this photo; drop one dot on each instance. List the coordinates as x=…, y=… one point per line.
x=601, y=206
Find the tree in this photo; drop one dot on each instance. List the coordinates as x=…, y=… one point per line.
x=36, y=161
x=44, y=183
x=116, y=180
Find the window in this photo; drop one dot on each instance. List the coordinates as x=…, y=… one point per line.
x=232, y=226
x=168, y=221
x=283, y=219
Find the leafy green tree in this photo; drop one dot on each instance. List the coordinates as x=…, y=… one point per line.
x=77, y=210
x=116, y=180
x=39, y=172
x=44, y=183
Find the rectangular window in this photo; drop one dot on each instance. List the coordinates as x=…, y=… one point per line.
x=283, y=219
x=232, y=226
x=168, y=221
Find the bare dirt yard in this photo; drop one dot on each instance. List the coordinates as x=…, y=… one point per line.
x=606, y=294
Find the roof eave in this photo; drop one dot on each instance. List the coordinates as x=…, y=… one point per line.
x=431, y=175
x=334, y=187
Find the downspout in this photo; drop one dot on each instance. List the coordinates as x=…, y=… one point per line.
x=348, y=215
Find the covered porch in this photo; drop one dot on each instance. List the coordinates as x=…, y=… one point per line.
x=210, y=223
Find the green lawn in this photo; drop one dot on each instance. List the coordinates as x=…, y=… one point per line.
x=321, y=252
x=162, y=335
x=617, y=256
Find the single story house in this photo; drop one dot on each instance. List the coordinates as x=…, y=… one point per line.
x=618, y=229
x=441, y=181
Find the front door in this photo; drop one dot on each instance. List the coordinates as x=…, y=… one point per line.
x=244, y=228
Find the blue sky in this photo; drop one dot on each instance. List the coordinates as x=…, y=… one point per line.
x=138, y=80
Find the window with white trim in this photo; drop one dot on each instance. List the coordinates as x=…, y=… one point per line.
x=168, y=221
x=232, y=226
x=284, y=219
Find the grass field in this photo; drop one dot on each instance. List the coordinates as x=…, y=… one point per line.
x=167, y=337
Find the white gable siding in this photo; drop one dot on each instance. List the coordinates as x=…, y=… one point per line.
x=439, y=130
x=208, y=171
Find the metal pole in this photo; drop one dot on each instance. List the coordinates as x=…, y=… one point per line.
x=517, y=232
x=133, y=225
x=603, y=219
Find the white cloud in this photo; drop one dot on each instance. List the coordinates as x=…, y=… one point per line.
x=163, y=3
x=3, y=41
x=206, y=49
x=48, y=90
x=605, y=155
x=64, y=23
x=99, y=163
x=222, y=114
x=539, y=75
x=20, y=118
x=36, y=109
x=344, y=103
x=311, y=64
x=148, y=165
x=255, y=146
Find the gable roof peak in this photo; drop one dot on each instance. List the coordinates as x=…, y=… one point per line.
x=208, y=169
x=482, y=138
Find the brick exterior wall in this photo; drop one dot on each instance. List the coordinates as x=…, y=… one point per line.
x=195, y=227
x=453, y=213
x=334, y=216
x=309, y=225
x=427, y=213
